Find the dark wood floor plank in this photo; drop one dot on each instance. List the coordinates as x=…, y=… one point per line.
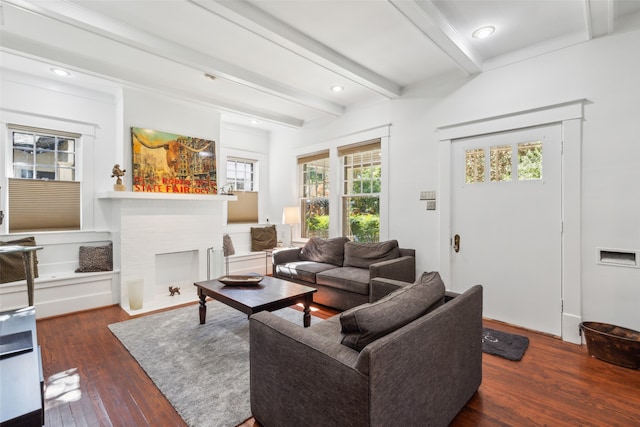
x=556, y=383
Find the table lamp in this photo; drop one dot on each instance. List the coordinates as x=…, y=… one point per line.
x=290, y=216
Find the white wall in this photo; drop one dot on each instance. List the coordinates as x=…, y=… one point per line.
x=161, y=113
x=253, y=144
x=603, y=71
x=49, y=104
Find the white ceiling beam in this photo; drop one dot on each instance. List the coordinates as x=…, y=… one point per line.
x=426, y=17
x=112, y=29
x=109, y=70
x=259, y=22
x=599, y=17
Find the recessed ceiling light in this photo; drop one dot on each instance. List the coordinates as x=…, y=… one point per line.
x=337, y=88
x=60, y=72
x=254, y=121
x=483, y=32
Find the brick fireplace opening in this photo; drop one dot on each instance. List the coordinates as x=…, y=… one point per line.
x=178, y=269
x=163, y=240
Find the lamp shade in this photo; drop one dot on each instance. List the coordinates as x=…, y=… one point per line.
x=291, y=215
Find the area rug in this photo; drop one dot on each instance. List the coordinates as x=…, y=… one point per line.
x=503, y=344
x=203, y=370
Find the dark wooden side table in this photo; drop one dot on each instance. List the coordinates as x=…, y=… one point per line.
x=269, y=295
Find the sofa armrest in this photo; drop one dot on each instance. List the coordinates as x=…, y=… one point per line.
x=297, y=375
x=435, y=362
x=381, y=287
x=402, y=268
x=283, y=256
x=449, y=295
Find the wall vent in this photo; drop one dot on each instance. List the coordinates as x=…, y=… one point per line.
x=619, y=257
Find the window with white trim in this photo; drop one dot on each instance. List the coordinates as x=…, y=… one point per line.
x=362, y=185
x=242, y=182
x=44, y=187
x=241, y=174
x=313, y=171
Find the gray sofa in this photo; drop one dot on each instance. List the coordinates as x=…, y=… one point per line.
x=412, y=358
x=341, y=270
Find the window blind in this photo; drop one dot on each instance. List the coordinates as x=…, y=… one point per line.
x=312, y=157
x=244, y=210
x=31, y=129
x=38, y=205
x=373, y=144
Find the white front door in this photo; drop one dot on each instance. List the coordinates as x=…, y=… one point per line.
x=506, y=224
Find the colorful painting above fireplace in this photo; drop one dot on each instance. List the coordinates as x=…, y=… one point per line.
x=168, y=163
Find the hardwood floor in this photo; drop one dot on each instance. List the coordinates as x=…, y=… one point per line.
x=91, y=380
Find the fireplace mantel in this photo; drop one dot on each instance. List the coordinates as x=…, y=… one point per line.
x=165, y=196
x=161, y=240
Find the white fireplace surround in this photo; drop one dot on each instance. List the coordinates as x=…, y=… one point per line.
x=170, y=229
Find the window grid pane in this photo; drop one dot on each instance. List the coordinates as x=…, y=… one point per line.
x=500, y=157
x=42, y=156
x=361, y=195
x=474, y=165
x=240, y=174
x=529, y=160
x=315, y=198
x=362, y=173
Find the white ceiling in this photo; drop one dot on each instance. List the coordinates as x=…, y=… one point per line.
x=275, y=61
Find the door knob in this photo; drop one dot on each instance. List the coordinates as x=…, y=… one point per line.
x=456, y=243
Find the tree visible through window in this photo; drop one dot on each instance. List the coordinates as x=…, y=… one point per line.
x=474, y=165
x=529, y=162
x=500, y=157
x=362, y=184
x=314, y=173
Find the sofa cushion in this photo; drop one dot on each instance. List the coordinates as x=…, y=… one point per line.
x=366, y=323
x=328, y=251
x=362, y=255
x=12, y=265
x=263, y=238
x=302, y=270
x=350, y=279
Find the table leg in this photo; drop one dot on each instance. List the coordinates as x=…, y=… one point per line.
x=307, y=311
x=29, y=271
x=203, y=307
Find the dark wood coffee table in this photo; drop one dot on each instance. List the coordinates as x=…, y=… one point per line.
x=270, y=294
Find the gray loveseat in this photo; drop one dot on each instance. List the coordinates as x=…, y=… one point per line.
x=413, y=358
x=341, y=270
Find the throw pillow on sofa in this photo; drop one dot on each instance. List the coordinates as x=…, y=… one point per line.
x=327, y=251
x=362, y=255
x=366, y=323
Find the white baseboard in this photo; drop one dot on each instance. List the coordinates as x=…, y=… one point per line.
x=571, y=328
x=63, y=293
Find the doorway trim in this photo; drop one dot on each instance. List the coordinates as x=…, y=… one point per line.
x=570, y=115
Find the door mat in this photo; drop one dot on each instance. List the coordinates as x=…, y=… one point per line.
x=503, y=344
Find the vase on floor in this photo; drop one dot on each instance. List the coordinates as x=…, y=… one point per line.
x=136, y=293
